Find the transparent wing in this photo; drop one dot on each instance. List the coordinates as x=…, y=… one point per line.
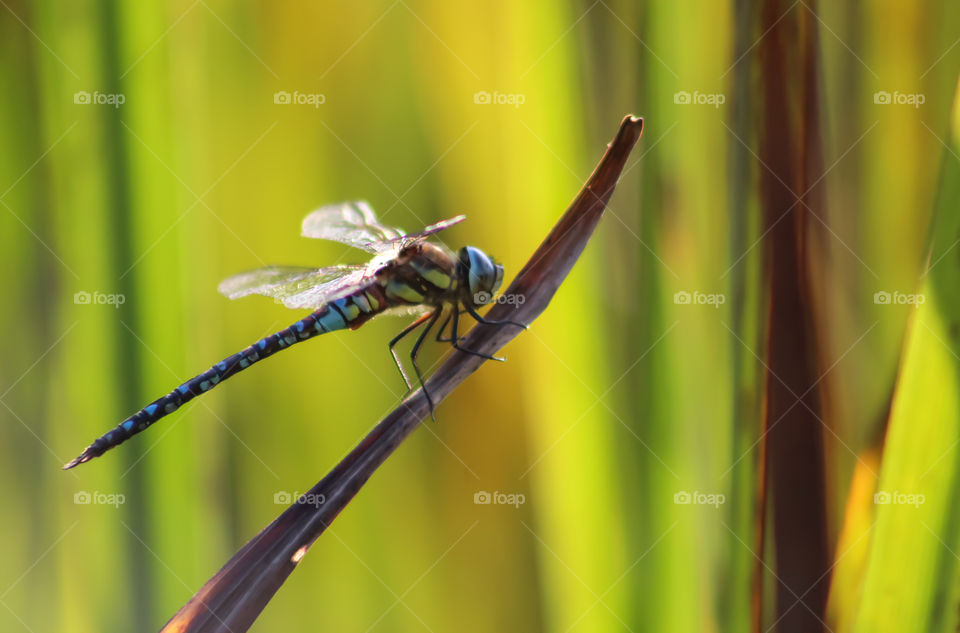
x=355, y=224
x=352, y=223
x=406, y=240
x=299, y=288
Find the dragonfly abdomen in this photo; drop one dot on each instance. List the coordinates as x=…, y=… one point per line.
x=350, y=311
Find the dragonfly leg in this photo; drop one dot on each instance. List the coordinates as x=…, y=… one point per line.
x=396, y=339
x=433, y=316
x=455, y=340
x=443, y=326
x=455, y=314
x=479, y=318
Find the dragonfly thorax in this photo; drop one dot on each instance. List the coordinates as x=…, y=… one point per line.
x=479, y=276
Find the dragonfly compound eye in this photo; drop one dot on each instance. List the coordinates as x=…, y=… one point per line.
x=483, y=276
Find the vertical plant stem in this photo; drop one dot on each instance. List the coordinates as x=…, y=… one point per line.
x=794, y=468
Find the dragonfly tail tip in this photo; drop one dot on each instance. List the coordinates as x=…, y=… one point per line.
x=76, y=461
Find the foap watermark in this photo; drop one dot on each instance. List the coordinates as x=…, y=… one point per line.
x=715, y=99
x=897, y=498
x=915, y=99
x=697, y=298
x=282, y=497
x=483, y=298
x=84, y=298
x=697, y=498
x=315, y=99
x=115, y=99
x=97, y=498
x=496, y=498
x=896, y=298
x=485, y=97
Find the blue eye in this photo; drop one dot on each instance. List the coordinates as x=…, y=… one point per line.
x=482, y=273
x=498, y=279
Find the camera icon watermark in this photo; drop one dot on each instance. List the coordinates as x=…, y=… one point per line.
x=895, y=497
x=915, y=99
x=282, y=497
x=84, y=298
x=85, y=498
x=697, y=298
x=484, y=498
x=99, y=98
x=685, y=498
x=896, y=298
x=485, y=97
x=715, y=99
x=483, y=298
x=315, y=99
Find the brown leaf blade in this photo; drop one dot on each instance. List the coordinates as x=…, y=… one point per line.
x=793, y=436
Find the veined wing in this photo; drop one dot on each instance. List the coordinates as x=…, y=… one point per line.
x=355, y=224
x=406, y=240
x=352, y=223
x=299, y=288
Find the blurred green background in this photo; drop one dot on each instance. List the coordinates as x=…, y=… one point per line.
x=619, y=401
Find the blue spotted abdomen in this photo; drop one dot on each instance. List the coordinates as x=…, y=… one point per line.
x=350, y=311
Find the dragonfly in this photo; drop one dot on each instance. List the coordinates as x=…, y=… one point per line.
x=407, y=275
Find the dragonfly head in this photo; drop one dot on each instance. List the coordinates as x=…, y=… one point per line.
x=480, y=276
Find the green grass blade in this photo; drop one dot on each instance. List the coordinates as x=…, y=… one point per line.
x=911, y=570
